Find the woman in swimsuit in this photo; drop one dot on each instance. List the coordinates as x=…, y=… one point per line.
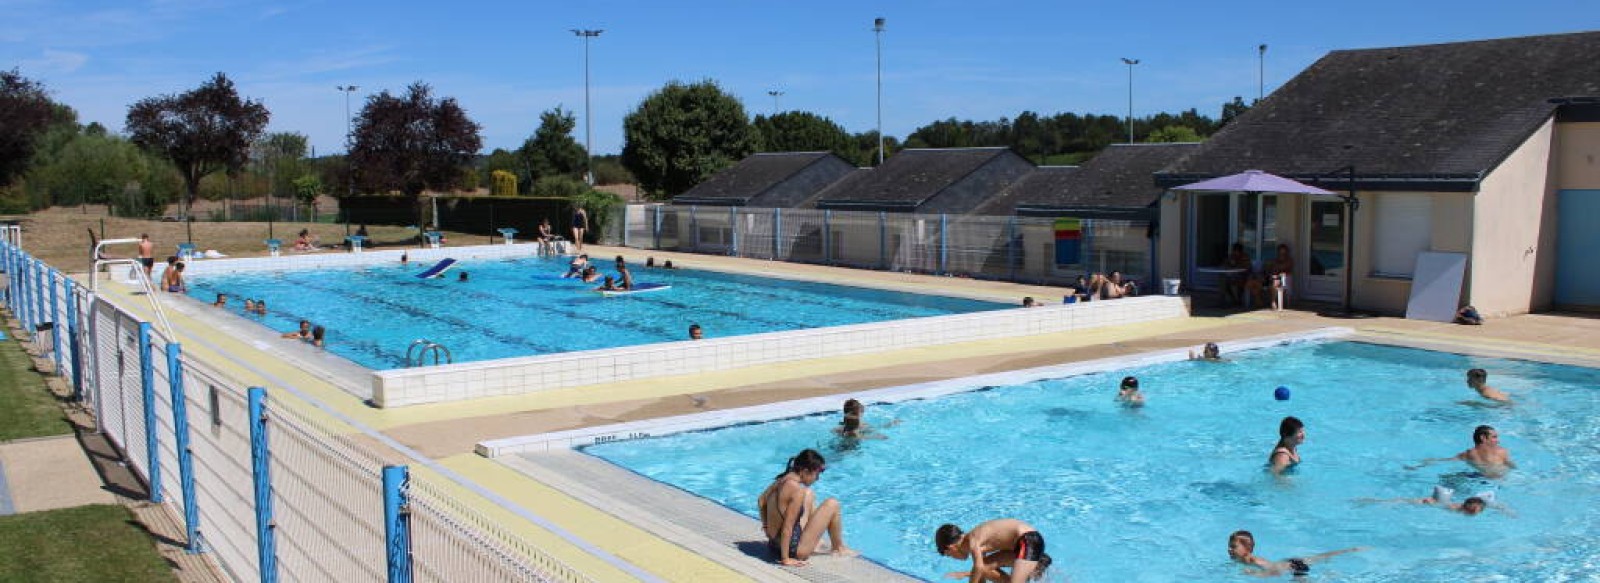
x=1291, y=433
x=580, y=223
x=790, y=518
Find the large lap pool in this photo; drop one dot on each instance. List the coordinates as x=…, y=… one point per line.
x=1151, y=494
x=520, y=307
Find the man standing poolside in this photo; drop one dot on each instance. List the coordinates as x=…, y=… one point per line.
x=1486, y=454
x=147, y=254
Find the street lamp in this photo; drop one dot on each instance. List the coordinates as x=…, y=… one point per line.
x=1261, y=72
x=877, y=29
x=1130, y=63
x=349, y=135
x=775, y=95
x=588, y=124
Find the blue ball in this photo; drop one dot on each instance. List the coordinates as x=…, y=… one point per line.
x=1282, y=394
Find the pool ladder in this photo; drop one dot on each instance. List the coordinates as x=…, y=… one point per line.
x=421, y=348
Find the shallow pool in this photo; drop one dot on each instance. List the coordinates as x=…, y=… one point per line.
x=521, y=307
x=1152, y=494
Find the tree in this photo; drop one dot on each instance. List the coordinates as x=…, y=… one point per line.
x=502, y=160
x=412, y=142
x=502, y=183
x=201, y=131
x=682, y=134
x=1171, y=134
x=103, y=169
x=25, y=112
x=1232, y=110
x=551, y=151
x=281, y=157
x=307, y=188
x=801, y=131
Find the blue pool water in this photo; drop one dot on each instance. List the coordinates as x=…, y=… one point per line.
x=521, y=307
x=1152, y=494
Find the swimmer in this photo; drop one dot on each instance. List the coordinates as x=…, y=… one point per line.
x=852, y=429
x=696, y=332
x=624, y=277
x=609, y=285
x=791, y=519
x=462, y=278
x=1128, y=394
x=992, y=546
x=261, y=307
x=1291, y=433
x=405, y=258
x=1478, y=380
x=1209, y=352
x=590, y=274
x=578, y=267
x=1472, y=506
x=1028, y=302
x=249, y=306
x=222, y=301
x=854, y=409
x=318, y=336
x=1486, y=455
x=304, y=333
x=1242, y=548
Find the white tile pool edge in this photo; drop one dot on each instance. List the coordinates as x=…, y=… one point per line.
x=400, y=387
x=576, y=438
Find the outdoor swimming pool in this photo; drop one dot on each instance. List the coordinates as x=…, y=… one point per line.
x=1151, y=494
x=520, y=307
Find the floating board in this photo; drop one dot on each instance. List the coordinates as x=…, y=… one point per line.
x=637, y=289
x=438, y=269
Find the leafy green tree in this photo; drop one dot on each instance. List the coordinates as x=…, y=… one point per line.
x=281, y=157
x=609, y=170
x=682, y=134
x=413, y=142
x=559, y=187
x=25, y=112
x=104, y=169
x=1172, y=134
x=801, y=131
x=502, y=183
x=307, y=188
x=551, y=150
x=506, y=161
x=867, y=148
x=204, y=130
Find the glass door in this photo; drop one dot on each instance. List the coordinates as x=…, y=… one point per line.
x=1325, y=253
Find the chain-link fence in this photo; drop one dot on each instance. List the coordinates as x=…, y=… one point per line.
x=189, y=433
x=1022, y=249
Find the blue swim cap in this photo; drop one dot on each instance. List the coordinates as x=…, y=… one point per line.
x=1282, y=394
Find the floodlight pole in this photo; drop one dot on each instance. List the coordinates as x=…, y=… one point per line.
x=1130, y=63
x=775, y=95
x=877, y=29
x=588, y=123
x=1261, y=72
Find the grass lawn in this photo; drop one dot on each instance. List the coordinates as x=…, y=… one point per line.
x=89, y=543
x=27, y=409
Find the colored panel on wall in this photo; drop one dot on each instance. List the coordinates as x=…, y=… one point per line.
x=1578, y=235
x=1069, y=241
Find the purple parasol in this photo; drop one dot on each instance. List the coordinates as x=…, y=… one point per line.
x=1254, y=181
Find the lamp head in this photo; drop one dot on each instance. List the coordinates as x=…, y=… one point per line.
x=1130, y=61
x=877, y=24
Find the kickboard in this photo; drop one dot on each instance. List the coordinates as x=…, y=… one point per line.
x=438, y=269
x=637, y=289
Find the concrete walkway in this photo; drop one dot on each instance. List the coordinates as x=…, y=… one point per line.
x=46, y=474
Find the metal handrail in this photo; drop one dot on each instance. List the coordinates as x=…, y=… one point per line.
x=414, y=356
x=142, y=278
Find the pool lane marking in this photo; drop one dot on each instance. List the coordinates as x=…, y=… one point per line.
x=492, y=497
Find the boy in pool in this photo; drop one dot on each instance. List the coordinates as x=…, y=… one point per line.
x=1210, y=352
x=1242, y=548
x=992, y=546
x=1128, y=394
x=1478, y=380
x=1472, y=506
x=1486, y=455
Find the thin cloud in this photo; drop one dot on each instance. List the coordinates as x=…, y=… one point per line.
x=55, y=62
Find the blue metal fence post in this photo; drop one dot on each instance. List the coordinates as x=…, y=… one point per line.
x=827, y=236
x=147, y=382
x=27, y=296
x=397, y=521
x=1011, y=247
x=55, y=320
x=261, y=466
x=777, y=229
x=180, y=427
x=944, y=244
x=74, y=345
x=733, y=230
x=883, y=240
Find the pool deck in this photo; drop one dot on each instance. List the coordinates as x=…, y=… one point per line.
x=447, y=432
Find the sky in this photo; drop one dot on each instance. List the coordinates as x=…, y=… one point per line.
x=507, y=62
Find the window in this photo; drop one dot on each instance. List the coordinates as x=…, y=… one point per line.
x=1404, y=229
